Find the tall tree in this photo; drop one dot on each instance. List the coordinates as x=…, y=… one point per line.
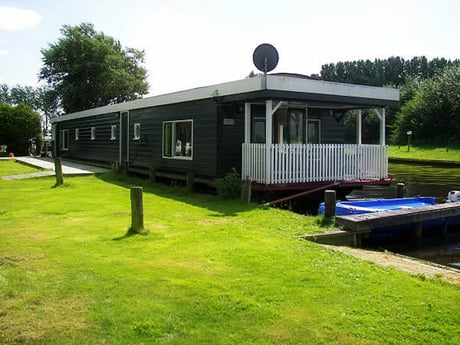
x=87, y=69
x=433, y=113
x=19, y=124
x=392, y=71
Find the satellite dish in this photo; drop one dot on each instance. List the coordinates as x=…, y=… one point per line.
x=265, y=57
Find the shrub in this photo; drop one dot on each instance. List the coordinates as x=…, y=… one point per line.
x=229, y=187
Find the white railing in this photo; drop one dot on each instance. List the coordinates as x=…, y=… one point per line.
x=300, y=163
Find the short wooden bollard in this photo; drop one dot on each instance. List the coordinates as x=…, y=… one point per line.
x=58, y=171
x=329, y=203
x=401, y=190
x=137, y=210
x=246, y=190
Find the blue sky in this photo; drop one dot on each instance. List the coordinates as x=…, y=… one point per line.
x=196, y=43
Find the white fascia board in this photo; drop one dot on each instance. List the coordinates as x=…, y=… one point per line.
x=331, y=88
x=206, y=92
x=278, y=83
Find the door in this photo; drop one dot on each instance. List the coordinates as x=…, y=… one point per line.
x=124, y=138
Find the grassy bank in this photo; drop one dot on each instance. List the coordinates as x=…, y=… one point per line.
x=209, y=272
x=425, y=153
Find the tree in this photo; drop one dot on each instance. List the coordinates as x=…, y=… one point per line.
x=19, y=124
x=41, y=99
x=433, y=113
x=87, y=69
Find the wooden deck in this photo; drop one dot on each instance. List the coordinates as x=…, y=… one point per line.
x=367, y=222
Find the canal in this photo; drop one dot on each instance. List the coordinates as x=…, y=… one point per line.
x=423, y=180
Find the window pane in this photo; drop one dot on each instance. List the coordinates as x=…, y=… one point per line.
x=113, y=132
x=258, y=130
x=183, y=138
x=296, y=127
x=313, y=132
x=137, y=131
x=167, y=140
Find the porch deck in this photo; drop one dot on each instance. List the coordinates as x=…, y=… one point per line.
x=275, y=164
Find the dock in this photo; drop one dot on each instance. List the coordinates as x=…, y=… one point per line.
x=416, y=216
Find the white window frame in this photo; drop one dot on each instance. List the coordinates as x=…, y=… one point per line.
x=136, y=131
x=93, y=133
x=64, y=140
x=113, y=132
x=173, y=140
x=77, y=134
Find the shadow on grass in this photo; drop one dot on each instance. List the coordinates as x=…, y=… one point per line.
x=131, y=233
x=218, y=206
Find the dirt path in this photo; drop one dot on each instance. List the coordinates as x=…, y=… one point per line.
x=404, y=263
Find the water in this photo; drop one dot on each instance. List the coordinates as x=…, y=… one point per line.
x=423, y=180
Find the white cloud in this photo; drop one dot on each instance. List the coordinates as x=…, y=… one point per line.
x=15, y=19
x=3, y=52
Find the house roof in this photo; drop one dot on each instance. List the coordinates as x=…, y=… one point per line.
x=278, y=86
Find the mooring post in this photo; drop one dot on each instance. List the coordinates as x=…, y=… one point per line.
x=329, y=202
x=246, y=190
x=58, y=171
x=137, y=209
x=401, y=191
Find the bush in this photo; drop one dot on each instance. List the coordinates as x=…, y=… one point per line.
x=19, y=124
x=229, y=187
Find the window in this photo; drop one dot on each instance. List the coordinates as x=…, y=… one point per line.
x=313, y=131
x=77, y=134
x=64, y=139
x=289, y=127
x=93, y=133
x=113, y=132
x=137, y=131
x=258, y=130
x=178, y=139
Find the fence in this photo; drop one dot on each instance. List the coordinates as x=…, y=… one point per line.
x=301, y=163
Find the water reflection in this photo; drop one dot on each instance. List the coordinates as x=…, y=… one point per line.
x=425, y=180
x=422, y=180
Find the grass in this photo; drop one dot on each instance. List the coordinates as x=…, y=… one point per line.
x=11, y=167
x=209, y=272
x=425, y=153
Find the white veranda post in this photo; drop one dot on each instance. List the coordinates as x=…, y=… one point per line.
x=381, y=116
x=269, y=111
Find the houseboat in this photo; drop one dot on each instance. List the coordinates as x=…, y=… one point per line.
x=279, y=131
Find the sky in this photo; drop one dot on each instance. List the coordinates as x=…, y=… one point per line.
x=191, y=43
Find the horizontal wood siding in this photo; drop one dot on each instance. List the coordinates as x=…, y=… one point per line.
x=230, y=137
x=103, y=149
x=148, y=152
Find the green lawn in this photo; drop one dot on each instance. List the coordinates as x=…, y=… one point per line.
x=425, y=153
x=209, y=272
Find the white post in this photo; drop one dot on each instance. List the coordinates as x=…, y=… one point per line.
x=268, y=138
x=382, y=128
x=247, y=123
x=381, y=116
x=359, y=127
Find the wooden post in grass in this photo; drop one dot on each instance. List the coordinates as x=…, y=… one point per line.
x=329, y=203
x=137, y=210
x=246, y=190
x=58, y=171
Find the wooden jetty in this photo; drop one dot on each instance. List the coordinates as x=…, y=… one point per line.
x=415, y=216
